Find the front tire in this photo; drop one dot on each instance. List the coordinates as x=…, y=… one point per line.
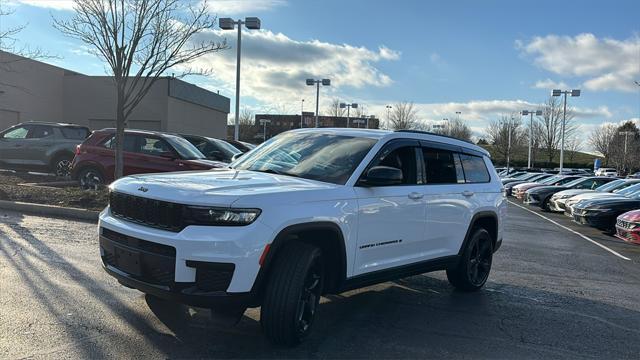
x=474, y=266
x=90, y=178
x=293, y=294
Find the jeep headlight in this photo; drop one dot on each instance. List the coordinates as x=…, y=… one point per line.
x=198, y=215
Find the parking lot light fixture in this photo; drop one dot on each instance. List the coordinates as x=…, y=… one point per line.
x=348, y=106
x=252, y=23
x=264, y=123
x=573, y=93
x=531, y=113
x=324, y=82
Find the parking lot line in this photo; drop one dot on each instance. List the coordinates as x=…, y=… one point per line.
x=573, y=231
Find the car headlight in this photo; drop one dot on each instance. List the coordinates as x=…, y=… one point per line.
x=221, y=216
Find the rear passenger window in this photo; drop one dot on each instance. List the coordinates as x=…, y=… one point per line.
x=442, y=166
x=475, y=170
x=75, y=133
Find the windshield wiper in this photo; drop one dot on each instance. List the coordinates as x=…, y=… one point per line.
x=272, y=171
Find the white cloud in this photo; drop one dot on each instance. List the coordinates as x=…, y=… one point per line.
x=49, y=4
x=606, y=64
x=549, y=84
x=274, y=66
x=229, y=7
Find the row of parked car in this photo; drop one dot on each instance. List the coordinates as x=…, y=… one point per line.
x=607, y=203
x=73, y=150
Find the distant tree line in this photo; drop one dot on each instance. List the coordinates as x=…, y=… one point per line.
x=619, y=145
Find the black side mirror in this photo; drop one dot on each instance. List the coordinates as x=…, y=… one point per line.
x=382, y=176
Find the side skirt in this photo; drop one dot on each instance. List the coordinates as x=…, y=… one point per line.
x=399, y=272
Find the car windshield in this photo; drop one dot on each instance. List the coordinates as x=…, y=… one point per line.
x=228, y=149
x=574, y=182
x=185, y=149
x=610, y=186
x=629, y=190
x=551, y=180
x=323, y=157
x=626, y=185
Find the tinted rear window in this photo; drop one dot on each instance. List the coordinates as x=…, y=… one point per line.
x=475, y=170
x=74, y=133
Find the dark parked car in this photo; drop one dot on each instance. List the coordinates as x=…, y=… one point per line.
x=241, y=145
x=508, y=188
x=144, y=152
x=213, y=149
x=540, y=195
x=602, y=213
x=41, y=146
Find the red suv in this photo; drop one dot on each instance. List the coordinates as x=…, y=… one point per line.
x=144, y=152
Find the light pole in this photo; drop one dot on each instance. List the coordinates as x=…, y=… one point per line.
x=229, y=24
x=264, y=123
x=348, y=106
x=574, y=93
x=509, y=124
x=458, y=113
x=624, y=156
x=301, y=112
x=324, y=82
x=525, y=113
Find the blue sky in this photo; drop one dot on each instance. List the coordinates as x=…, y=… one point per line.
x=483, y=58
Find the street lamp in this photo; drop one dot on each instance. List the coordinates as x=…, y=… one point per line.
x=525, y=113
x=348, y=106
x=458, y=113
x=574, y=93
x=301, y=112
x=252, y=23
x=264, y=123
x=324, y=82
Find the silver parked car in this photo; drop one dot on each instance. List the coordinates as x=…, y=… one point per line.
x=41, y=146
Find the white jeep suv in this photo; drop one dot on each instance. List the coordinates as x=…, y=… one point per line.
x=309, y=212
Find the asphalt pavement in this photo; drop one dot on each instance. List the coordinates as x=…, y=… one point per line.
x=552, y=293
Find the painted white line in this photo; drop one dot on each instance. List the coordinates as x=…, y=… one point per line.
x=572, y=231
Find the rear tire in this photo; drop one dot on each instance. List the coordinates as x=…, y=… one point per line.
x=474, y=266
x=293, y=294
x=61, y=165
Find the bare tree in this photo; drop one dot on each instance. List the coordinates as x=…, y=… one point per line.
x=498, y=135
x=140, y=40
x=334, y=109
x=573, y=145
x=403, y=116
x=601, y=139
x=551, y=123
x=456, y=128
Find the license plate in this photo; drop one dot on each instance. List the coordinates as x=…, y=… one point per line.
x=128, y=261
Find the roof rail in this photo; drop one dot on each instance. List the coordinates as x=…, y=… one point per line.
x=435, y=134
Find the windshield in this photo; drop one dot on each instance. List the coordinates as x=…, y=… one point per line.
x=610, y=186
x=629, y=190
x=323, y=157
x=551, y=180
x=227, y=149
x=575, y=182
x=185, y=149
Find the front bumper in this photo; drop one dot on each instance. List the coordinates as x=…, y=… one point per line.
x=238, y=246
x=631, y=236
x=557, y=205
x=599, y=221
x=531, y=199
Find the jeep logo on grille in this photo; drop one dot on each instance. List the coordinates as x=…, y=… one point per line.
x=143, y=189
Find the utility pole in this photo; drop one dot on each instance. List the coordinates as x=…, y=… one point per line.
x=624, y=156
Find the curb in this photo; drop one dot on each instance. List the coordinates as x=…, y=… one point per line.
x=50, y=210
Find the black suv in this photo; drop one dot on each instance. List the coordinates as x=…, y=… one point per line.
x=41, y=146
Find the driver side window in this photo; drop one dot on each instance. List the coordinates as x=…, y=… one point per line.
x=403, y=158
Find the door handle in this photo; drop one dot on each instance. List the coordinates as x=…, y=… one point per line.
x=467, y=193
x=415, y=195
